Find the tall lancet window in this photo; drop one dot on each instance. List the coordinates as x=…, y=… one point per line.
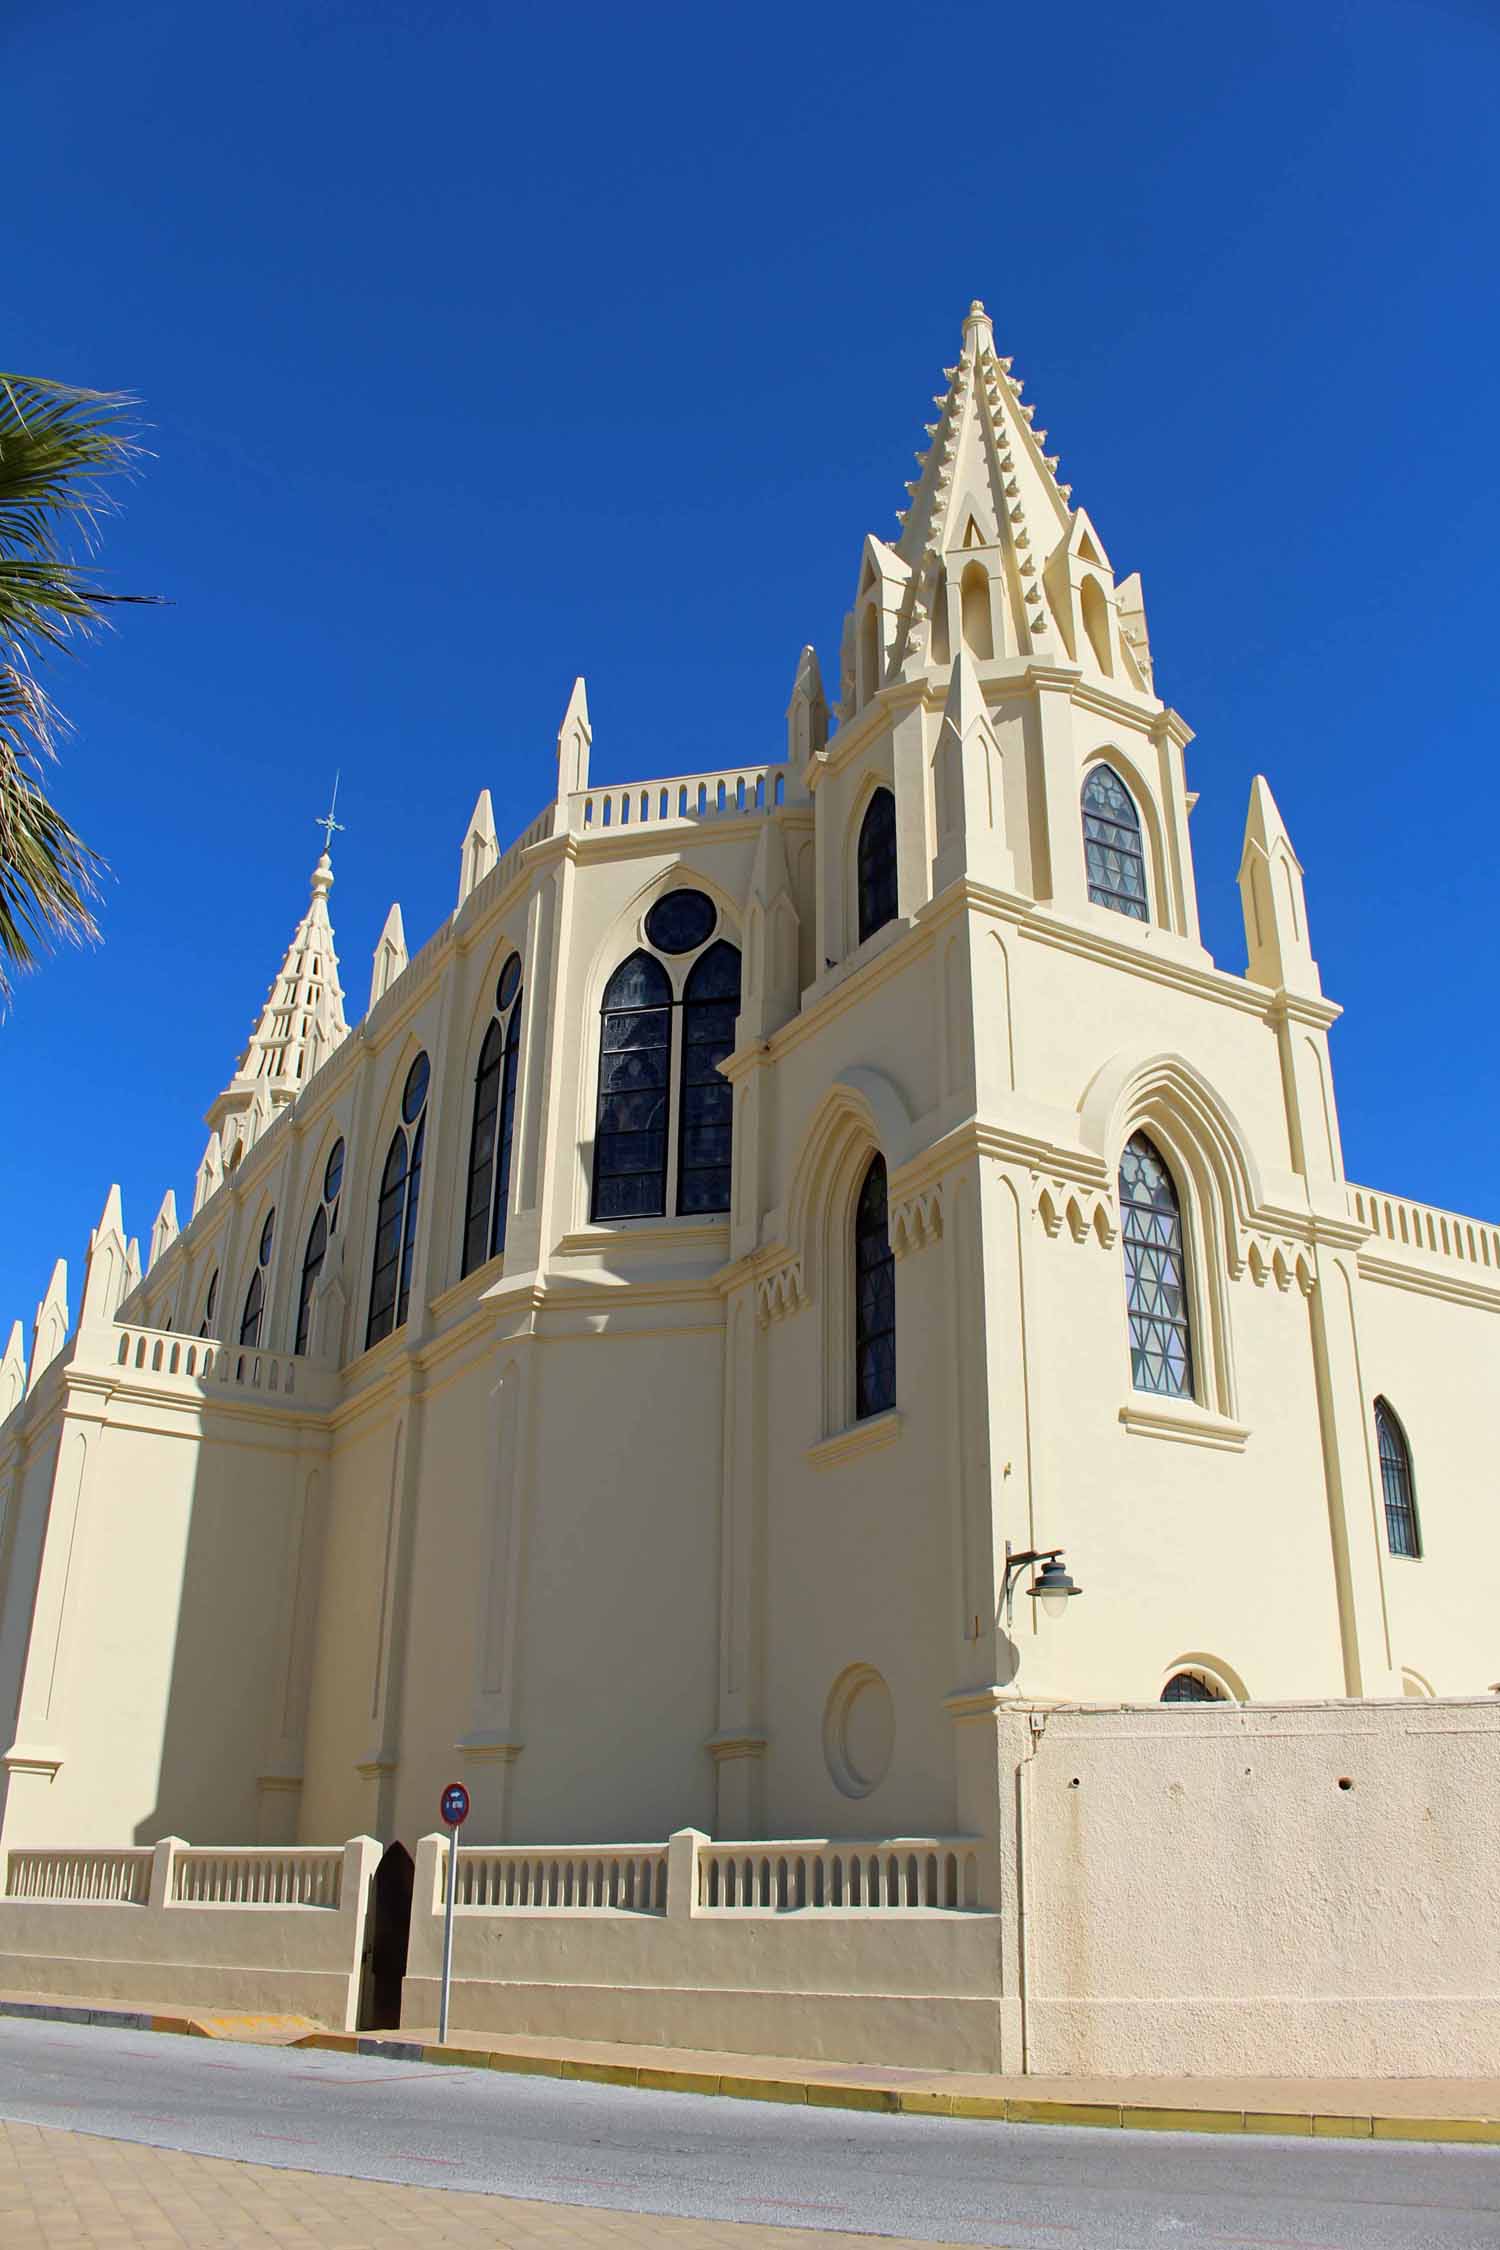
x=396, y=1214
x=1401, y=1532
x=1156, y=1283
x=255, y=1295
x=1112, y=845
x=324, y=1227
x=494, y=1123
x=877, y=864
x=710, y=1004
x=209, y=1303
x=635, y=1059
x=874, y=1298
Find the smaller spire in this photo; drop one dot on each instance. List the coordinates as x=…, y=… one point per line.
x=807, y=713
x=390, y=955
x=163, y=1227
x=106, y=1270
x=1277, y=942
x=480, y=848
x=13, y=1372
x=50, y=1331
x=574, y=740
x=300, y=1024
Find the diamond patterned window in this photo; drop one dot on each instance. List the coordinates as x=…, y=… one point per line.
x=1403, y=1536
x=396, y=1213
x=877, y=864
x=635, y=1064
x=874, y=1299
x=494, y=1123
x=1112, y=846
x=710, y=1004
x=1156, y=1295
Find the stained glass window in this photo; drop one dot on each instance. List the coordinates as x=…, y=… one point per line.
x=710, y=1004
x=494, y=1124
x=1402, y=1534
x=874, y=1299
x=312, y=1266
x=1189, y=1687
x=680, y=921
x=635, y=1055
x=397, y=1210
x=877, y=864
x=1112, y=845
x=1156, y=1299
x=255, y=1297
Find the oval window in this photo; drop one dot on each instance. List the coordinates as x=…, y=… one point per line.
x=416, y=1089
x=681, y=921
x=510, y=979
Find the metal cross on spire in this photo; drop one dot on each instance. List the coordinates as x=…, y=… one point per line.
x=327, y=823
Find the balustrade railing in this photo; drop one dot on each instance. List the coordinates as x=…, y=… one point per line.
x=897, y=1876
x=203, y=1359
x=689, y=798
x=1420, y=1226
x=203, y=1877
x=80, y=1878
x=629, y=1878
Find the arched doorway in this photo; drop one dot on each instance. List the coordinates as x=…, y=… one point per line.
x=388, y=1932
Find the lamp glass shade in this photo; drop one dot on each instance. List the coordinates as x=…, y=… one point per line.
x=1053, y=1588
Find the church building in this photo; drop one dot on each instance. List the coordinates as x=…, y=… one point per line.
x=810, y=1254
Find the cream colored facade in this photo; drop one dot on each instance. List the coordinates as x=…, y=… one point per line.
x=597, y=1527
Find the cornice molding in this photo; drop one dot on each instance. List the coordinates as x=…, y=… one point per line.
x=1395, y=1273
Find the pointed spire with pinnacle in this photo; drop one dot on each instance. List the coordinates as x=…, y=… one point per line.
x=298, y=1028
x=390, y=955
x=1274, y=902
x=480, y=848
x=106, y=1269
x=574, y=740
x=771, y=933
x=983, y=558
x=968, y=778
x=807, y=713
x=50, y=1332
x=13, y=1372
x=163, y=1228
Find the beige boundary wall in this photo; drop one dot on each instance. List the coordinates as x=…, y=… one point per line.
x=262, y=1931
x=1302, y=1889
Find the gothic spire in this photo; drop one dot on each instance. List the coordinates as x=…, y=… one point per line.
x=991, y=554
x=299, y=1026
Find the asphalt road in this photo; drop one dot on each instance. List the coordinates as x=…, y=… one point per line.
x=693, y=2156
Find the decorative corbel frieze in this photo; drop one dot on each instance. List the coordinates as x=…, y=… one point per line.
x=779, y=1291
x=917, y=1219
x=1086, y=1212
x=1283, y=1262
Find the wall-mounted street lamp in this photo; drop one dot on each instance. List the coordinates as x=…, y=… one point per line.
x=1052, y=1586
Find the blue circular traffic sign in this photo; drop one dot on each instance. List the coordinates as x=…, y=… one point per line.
x=455, y=1806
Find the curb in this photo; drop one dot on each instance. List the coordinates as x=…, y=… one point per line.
x=1010, y=2109
x=818, y=2093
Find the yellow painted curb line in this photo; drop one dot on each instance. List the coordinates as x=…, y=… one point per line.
x=1011, y=2109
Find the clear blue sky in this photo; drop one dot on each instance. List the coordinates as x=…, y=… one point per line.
x=487, y=345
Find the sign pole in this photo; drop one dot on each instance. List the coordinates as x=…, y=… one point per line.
x=448, y=1936
x=455, y=1811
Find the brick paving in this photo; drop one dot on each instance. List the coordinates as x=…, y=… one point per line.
x=72, y=2191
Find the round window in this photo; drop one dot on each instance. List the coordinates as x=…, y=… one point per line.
x=267, y=1237
x=333, y=1175
x=681, y=921
x=510, y=982
x=416, y=1089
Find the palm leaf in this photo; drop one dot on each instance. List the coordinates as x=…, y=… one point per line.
x=59, y=447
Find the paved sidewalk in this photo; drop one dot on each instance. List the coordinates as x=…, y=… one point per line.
x=69, y=2191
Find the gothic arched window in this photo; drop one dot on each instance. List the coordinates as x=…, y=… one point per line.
x=1402, y=1534
x=255, y=1295
x=1156, y=1287
x=877, y=864
x=396, y=1214
x=635, y=1054
x=874, y=1298
x=710, y=1004
x=1190, y=1687
x=1112, y=845
x=494, y=1123
x=324, y=1227
x=207, y=1326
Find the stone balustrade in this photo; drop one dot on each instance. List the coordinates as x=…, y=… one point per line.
x=114, y=1878
x=204, y=1365
x=1420, y=1226
x=686, y=799
x=906, y=1873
